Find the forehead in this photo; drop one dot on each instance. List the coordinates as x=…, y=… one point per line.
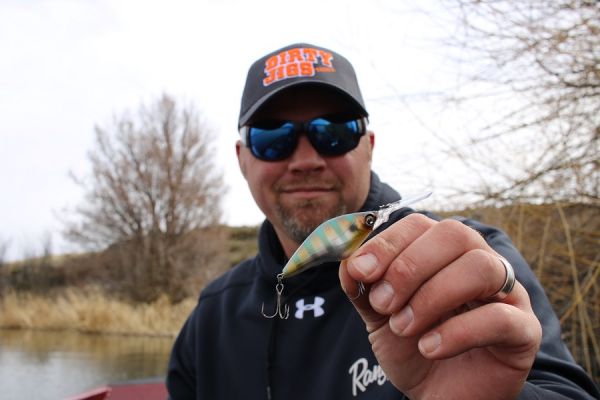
x=304, y=102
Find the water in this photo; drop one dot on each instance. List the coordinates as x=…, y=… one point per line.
x=54, y=365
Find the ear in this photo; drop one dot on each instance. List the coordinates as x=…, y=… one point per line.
x=240, y=157
x=371, y=146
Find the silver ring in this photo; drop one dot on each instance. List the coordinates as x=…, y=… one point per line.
x=509, y=282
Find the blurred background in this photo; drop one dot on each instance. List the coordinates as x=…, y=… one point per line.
x=121, y=195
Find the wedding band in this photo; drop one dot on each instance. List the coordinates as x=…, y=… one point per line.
x=509, y=282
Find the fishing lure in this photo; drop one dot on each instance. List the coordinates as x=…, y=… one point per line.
x=334, y=240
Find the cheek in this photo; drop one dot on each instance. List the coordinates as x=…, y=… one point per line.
x=261, y=177
x=355, y=173
x=255, y=171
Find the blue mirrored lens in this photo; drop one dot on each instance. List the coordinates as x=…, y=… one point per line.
x=334, y=138
x=273, y=144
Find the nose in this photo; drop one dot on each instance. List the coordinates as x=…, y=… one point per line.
x=305, y=158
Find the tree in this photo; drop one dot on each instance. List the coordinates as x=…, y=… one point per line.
x=535, y=65
x=4, y=246
x=153, y=187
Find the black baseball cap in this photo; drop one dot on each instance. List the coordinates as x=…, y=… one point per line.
x=294, y=65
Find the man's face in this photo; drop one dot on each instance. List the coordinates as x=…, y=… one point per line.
x=300, y=192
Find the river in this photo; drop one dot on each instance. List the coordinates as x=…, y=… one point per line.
x=53, y=365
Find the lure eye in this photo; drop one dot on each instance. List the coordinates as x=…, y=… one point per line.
x=370, y=220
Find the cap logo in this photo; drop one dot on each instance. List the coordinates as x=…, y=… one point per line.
x=297, y=62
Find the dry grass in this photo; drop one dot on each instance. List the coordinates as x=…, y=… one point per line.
x=90, y=310
x=561, y=242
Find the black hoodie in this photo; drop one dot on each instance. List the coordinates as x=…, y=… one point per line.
x=228, y=350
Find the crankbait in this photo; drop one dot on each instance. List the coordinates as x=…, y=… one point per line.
x=335, y=240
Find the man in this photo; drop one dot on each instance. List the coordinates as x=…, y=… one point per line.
x=440, y=317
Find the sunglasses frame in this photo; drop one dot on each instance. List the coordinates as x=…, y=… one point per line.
x=299, y=128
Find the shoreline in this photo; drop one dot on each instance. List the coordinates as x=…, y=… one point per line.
x=157, y=335
x=90, y=311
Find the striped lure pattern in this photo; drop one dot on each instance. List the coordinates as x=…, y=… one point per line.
x=333, y=240
x=337, y=238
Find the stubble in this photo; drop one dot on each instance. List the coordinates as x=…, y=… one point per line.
x=304, y=217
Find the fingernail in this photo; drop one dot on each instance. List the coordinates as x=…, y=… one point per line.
x=381, y=296
x=430, y=342
x=399, y=322
x=366, y=264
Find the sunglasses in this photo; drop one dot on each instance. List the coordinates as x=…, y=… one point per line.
x=331, y=135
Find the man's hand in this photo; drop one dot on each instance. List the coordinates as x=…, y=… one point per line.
x=428, y=310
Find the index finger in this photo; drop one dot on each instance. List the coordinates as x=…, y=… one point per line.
x=370, y=261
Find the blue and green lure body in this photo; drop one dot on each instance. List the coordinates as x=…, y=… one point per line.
x=335, y=240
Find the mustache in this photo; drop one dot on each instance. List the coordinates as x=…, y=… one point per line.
x=306, y=184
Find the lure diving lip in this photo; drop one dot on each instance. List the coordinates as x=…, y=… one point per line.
x=335, y=240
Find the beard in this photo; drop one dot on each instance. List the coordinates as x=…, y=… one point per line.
x=301, y=218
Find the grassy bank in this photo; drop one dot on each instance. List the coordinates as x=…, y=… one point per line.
x=560, y=242
x=92, y=311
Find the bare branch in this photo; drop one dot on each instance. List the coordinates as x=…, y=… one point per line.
x=544, y=139
x=153, y=183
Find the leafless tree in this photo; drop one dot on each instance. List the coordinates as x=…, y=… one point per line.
x=535, y=65
x=154, y=184
x=4, y=246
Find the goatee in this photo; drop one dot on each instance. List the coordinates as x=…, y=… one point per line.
x=300, y=220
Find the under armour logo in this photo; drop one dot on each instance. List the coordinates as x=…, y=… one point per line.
x=316, y=307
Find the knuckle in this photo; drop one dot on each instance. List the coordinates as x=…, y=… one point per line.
x=454, y=232
x=504, y=316
x=396, y=237
x=381, y=246
x=426, y=298
x=533, y=331
x=459, y=234
x=404, y=268
x=451, y=224
x=400, y=234
x=417, y=219
x=486, y=266
x=509, y=319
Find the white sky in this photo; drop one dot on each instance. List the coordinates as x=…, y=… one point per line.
x=67, y=65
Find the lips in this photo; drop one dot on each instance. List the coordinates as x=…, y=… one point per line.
x=306, y=191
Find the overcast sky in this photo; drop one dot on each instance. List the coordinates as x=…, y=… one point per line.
x=67, y=65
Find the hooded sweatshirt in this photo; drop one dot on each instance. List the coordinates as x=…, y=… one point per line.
x=228, y=350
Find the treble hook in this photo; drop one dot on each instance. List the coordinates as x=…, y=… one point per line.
x=282, y=312
x=361, y=291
